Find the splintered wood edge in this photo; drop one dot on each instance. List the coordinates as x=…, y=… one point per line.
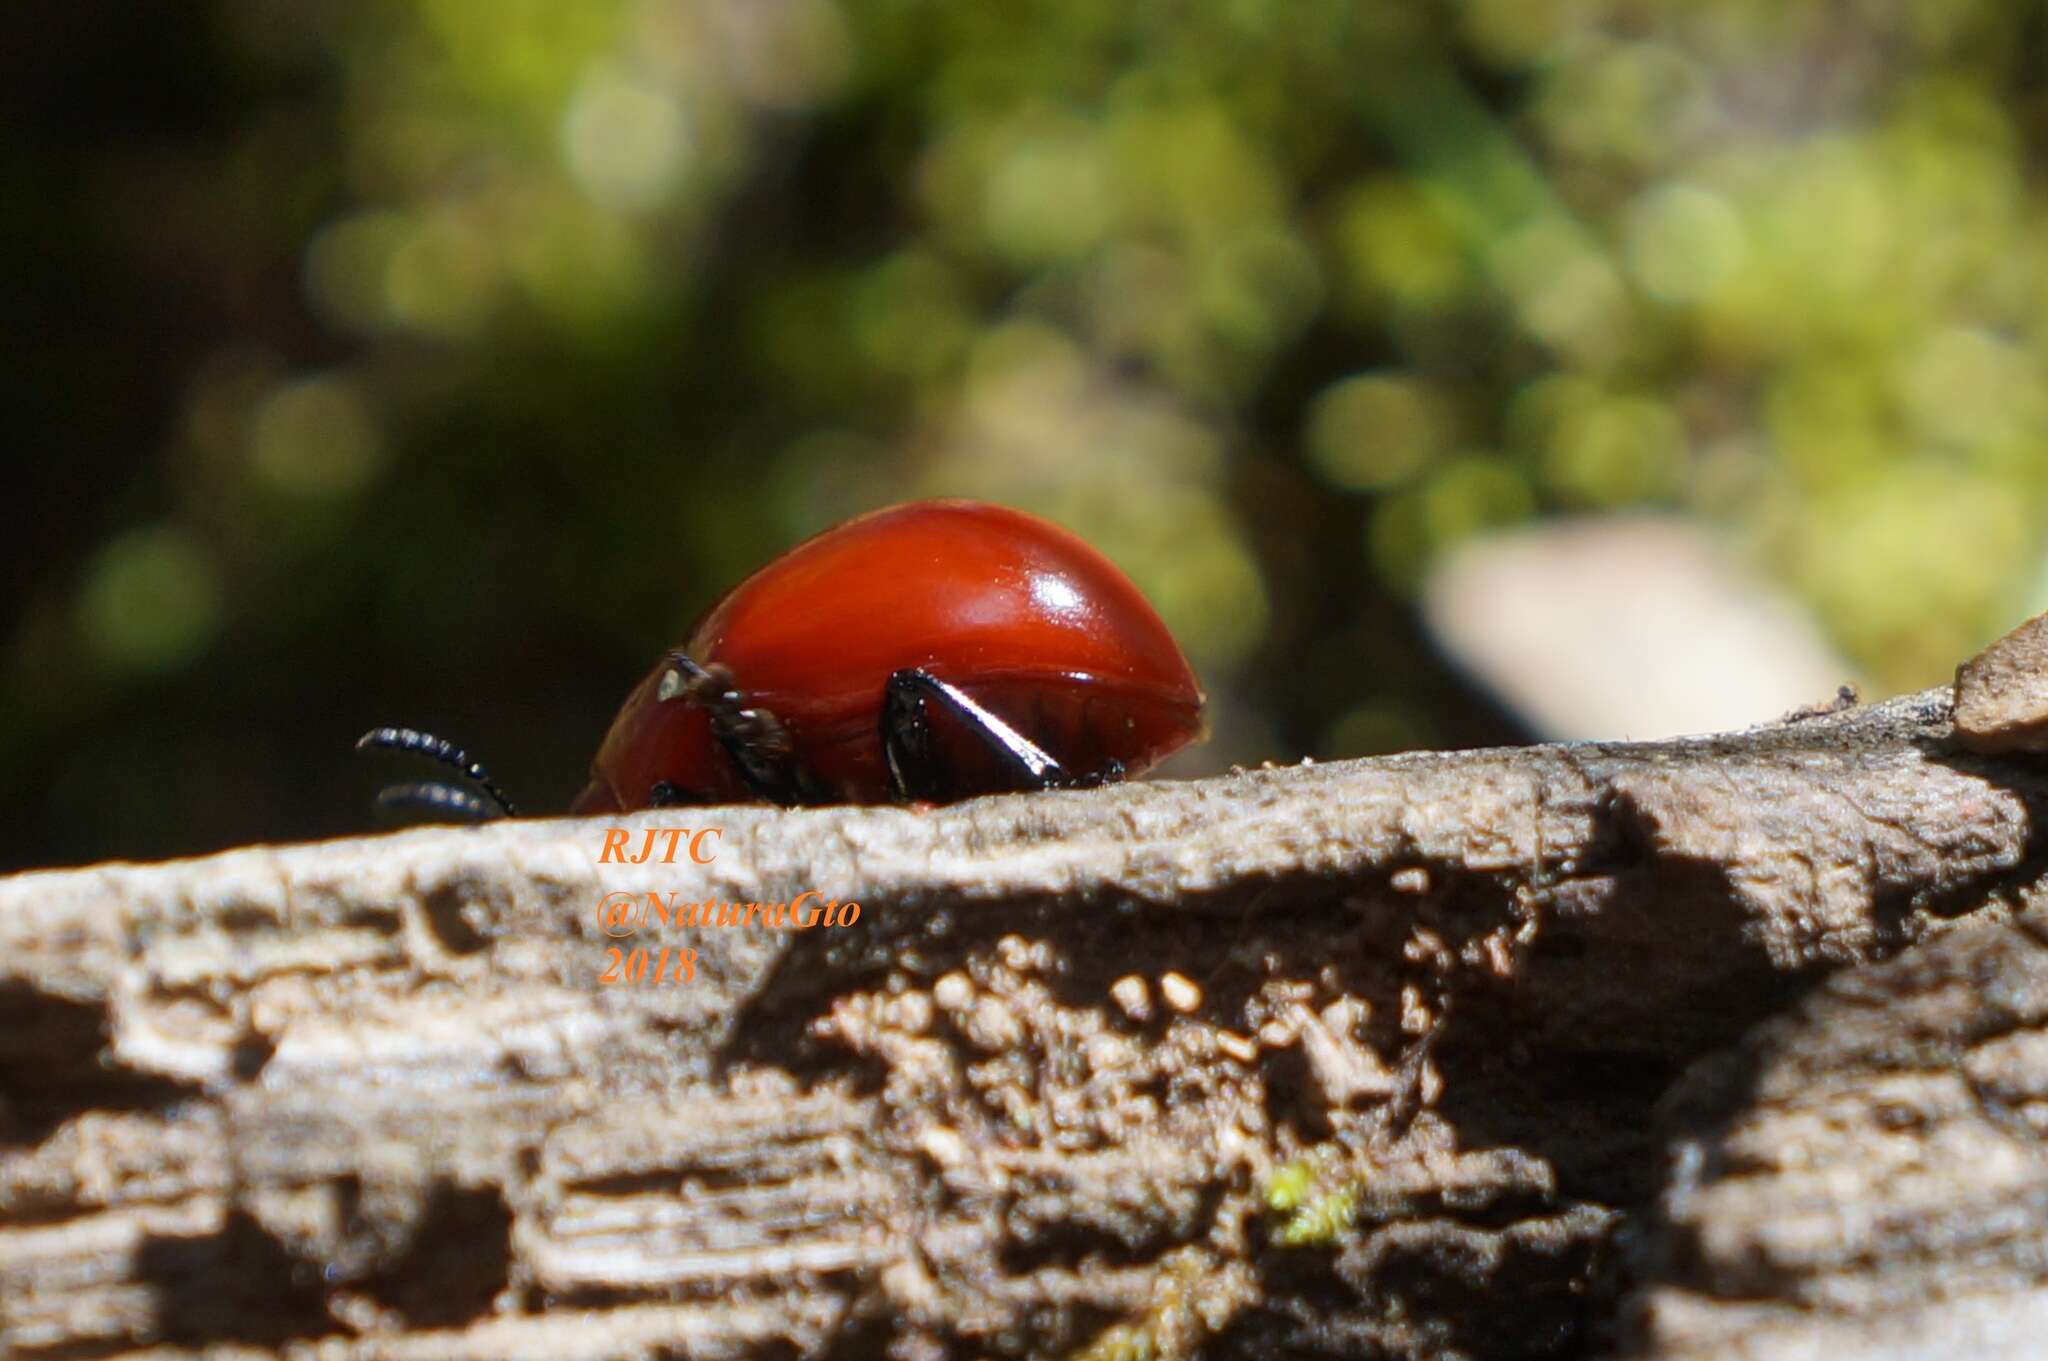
x=2001, y=694
x=1499, y=811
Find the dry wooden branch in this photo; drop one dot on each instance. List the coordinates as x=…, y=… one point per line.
x=1353, y=1059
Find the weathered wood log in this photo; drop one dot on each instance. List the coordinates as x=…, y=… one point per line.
x=1488, y=1054
x=1868, y=1175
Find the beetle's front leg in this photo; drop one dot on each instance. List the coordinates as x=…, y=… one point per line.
x=754, y=738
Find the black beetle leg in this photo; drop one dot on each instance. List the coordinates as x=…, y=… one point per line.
x=916, y=771
x=754, y=738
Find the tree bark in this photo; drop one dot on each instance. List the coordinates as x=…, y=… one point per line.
x=1724, y=1046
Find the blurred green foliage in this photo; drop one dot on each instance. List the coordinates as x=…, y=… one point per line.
x=439, y=361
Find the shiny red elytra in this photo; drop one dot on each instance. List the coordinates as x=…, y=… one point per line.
x=927, y=652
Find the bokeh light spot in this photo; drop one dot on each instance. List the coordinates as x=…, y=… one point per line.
x=1473, y=494
x=1048, y=198
x=443, y=277
x=348, y=266
x=1615, y=451
x=1394, y=241
x=1513, y=32
x=1411, y=528
x=625, y=142
x=1907, y=566
x=315, y=438
x=1373, y=430
x=1260, y=288
x=583, y=265
x=150, y=600
x=1684, y=242
x=1564, y=289
x=1967, y=389
x=787, y=54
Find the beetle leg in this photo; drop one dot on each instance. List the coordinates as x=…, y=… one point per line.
x=754, y=738
x=917, y=772
x=441, y=750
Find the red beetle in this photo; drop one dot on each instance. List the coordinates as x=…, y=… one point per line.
x=930, y=651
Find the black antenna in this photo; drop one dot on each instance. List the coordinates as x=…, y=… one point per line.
x=434, y=797
x=441, y=750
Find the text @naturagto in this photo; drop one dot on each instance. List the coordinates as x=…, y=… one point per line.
x=622, y=913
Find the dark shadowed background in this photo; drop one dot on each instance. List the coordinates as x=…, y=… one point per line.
x=438, y=362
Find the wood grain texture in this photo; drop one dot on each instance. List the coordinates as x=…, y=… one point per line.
x=1454, y=1078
